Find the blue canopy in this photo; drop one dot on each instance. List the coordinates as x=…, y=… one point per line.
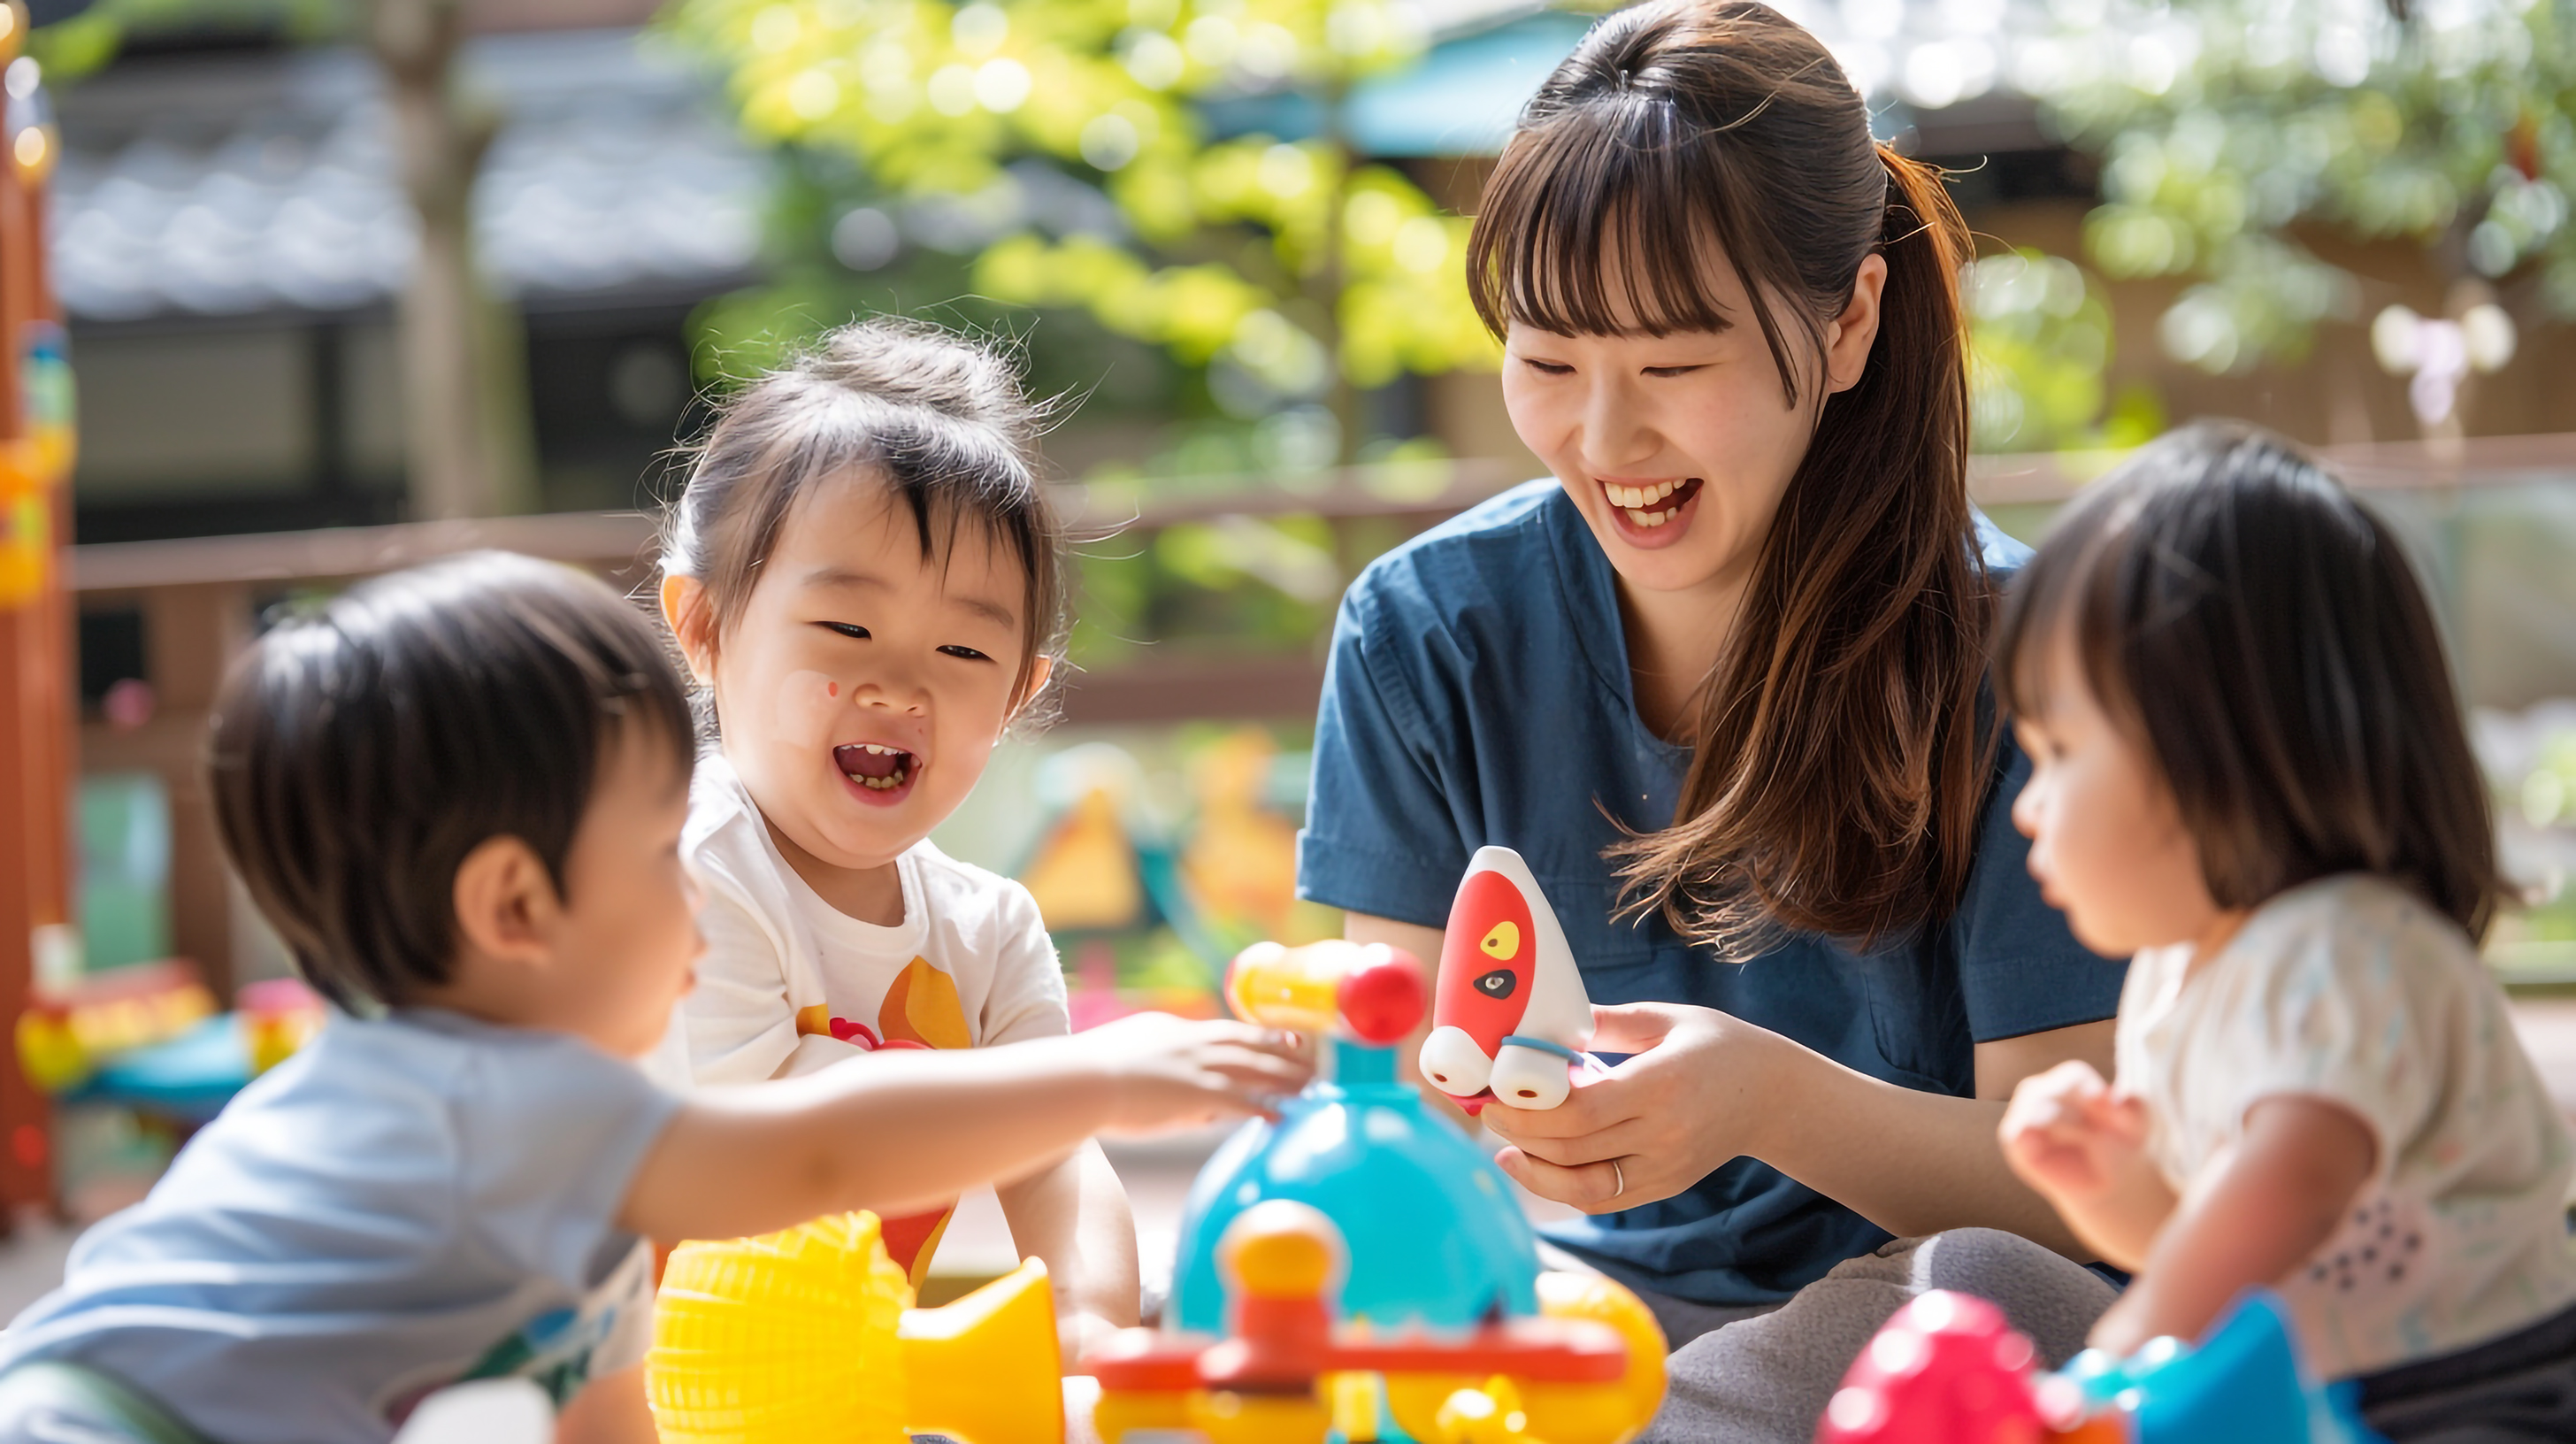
x=1460, y=99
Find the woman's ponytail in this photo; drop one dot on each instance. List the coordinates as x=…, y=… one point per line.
x=1840, y=759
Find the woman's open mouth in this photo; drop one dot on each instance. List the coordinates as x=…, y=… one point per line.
x=880, y=772
x=1651, y=504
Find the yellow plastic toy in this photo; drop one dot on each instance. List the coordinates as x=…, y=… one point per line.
x=809, y=1336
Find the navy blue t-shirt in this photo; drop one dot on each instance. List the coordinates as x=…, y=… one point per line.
x=1478, y=692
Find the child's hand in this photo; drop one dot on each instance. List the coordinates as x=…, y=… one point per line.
x=1170, y=1073
x=2071, y=1138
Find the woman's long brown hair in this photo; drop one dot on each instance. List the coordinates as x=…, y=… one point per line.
x=1840, y=760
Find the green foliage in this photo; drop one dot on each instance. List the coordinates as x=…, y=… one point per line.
x=2232, y=129
x=69, y=49
x=1286, y=261
x=2039, y=334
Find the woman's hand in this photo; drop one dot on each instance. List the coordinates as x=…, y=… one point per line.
x=1691, y=1098
x=2083, y=1147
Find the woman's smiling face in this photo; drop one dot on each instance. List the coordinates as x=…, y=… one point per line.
x=1678, y=448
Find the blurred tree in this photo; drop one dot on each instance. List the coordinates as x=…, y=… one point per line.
x=465, y=421
x=1071, y=140
x=467, y=433
x=2232, y=129
x=2039, y=340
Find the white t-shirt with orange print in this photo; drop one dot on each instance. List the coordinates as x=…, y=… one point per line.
x=790, y=984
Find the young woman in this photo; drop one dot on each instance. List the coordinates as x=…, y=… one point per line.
x=1722, y=682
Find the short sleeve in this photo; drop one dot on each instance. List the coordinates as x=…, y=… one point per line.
x=741, y=1027
x=2020, y=969
x=1380, y=837
x=550, y=1133
x=2320, y=1010
x=1027, y=998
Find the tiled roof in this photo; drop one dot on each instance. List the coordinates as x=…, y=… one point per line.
x=237, y=184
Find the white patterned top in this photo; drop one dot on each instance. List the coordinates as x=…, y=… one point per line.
x=2352, y=990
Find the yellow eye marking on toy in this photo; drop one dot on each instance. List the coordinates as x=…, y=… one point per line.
x=1503, y=941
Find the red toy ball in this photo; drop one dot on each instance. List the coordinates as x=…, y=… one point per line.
x=1383, y=997
x=1946, y=1369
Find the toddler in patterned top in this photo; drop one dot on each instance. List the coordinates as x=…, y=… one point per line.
x=2250, y=771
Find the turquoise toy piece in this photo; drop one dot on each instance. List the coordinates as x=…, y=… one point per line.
x=1433, y=1233
x=2245, y=1384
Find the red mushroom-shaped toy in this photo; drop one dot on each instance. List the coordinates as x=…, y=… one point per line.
x=1946, y=1369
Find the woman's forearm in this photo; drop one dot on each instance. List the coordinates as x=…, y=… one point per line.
x=1911, y=1162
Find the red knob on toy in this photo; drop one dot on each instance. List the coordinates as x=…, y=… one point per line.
x=1374, y=994
x=1383, y=998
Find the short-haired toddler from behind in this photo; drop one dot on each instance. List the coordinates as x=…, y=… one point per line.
x=2250, y=771
x=458, y=793
x=867, y=581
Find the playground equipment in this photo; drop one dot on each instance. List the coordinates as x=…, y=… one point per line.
x=1588, y=1371
x=1510, y=1019
x=147, y=1036
x=809, y=1334
x=37, y=702
x=1432, y=1232
x=1947, y=1369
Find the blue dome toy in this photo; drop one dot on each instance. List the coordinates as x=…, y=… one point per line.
x=1433, y=1232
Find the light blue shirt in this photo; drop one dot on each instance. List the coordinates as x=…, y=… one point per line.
x=404, y=1204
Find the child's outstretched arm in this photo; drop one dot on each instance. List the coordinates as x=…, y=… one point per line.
x=914, y=1128
x=2254, y=1215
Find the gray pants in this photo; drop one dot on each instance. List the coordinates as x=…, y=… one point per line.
x=1762, y=1376
x=2520, y=1389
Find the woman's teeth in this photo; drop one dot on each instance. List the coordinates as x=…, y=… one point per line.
x=1645, y=504
x=1640, y=496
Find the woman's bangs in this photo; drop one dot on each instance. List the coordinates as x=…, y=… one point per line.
x=1601, y=223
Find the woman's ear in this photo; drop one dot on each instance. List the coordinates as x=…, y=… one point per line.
x=506, y=903
x=685, y=611
x=1848, y=339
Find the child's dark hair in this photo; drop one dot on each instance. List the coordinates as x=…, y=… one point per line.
x=2261, y=631
x=1687, y=135
x=937, y=420
x=362, y=751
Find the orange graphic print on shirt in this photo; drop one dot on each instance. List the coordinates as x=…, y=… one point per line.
x=921, y=1010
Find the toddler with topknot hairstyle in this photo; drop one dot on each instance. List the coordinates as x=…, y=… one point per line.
x=868, y=583
x=458, y=793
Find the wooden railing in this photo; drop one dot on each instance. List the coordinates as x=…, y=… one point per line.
x=200, y=600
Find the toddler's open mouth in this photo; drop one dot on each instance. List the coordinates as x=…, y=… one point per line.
x=875, y=766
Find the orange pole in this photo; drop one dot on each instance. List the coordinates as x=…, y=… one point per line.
x=36, y=656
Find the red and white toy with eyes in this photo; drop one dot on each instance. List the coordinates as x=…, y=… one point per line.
x=1509, y=1017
